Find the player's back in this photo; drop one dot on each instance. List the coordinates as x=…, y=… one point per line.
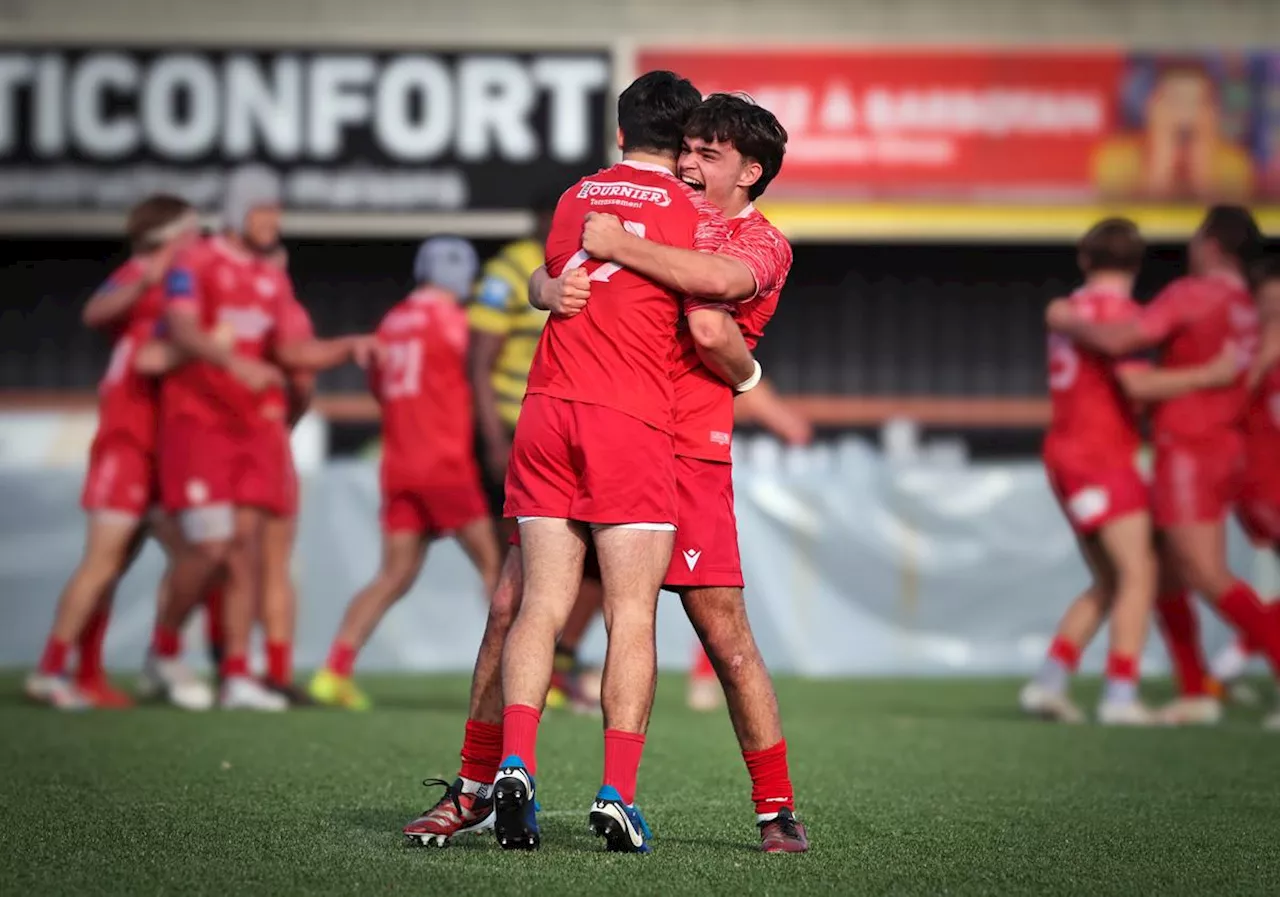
x=1214, y=311
x=619, y=351
x=422, y=387
x=127, y=398
x=1093, y=421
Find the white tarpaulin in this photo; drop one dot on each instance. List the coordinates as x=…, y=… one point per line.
x=853, y=566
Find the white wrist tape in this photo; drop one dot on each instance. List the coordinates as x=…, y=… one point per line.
x=751, y=382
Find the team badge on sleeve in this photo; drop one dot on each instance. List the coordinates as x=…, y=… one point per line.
x=493, y=292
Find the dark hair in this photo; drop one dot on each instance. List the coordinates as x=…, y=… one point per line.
x=1264, y=271
x=1113, y=244
x=148, y=216
x=1235, y=232
x=751, y=129
x=652, y=112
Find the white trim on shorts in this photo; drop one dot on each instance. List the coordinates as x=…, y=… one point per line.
x=596, y=527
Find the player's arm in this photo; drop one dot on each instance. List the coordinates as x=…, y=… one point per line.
x=489, y=323
x=311, y=355
x=301, y=390
x=688, y=271
x=157, y=357
x=765, y=407
x=1108, y=337
x=1145, y=383
x=721, y=347
x=182, y=318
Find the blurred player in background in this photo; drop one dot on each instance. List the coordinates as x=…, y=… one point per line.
x=1091, y=456
x=121, y=485
x=430, y=481
x=1199, y=443
x=732, y=150
x=1259, y=508
x=504, y=335
x=223, y=454
x=593, y=461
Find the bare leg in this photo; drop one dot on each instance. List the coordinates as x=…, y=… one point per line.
x=243, y=587
x=480, y=542
x=632, y=566
x=403, y=554
x=486, y=680
x=111, y=543
x=1128, y=545
x=719, y=616
x=279, y=598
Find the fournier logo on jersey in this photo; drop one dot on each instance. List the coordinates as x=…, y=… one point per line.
x=623, y=193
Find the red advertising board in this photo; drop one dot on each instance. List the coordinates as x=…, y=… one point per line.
x=998, y=125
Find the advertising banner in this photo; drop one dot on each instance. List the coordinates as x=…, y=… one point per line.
x=95, y=129
x=1010, y=126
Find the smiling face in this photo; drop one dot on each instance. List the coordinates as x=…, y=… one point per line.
x=716, y=168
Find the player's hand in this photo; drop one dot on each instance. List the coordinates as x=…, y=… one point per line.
x=795, y=430
x=567, y=295
x=254, y=374
x=601, y=235
x=366, y=352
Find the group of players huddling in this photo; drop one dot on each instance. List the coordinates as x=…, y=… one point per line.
x=659, y=278
x=1211, y=396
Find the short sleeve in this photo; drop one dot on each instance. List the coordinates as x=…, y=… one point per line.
x=182, y=283
x=765, y=252
x=294, y=324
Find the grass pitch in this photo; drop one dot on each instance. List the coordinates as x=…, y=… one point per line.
x=908, y=787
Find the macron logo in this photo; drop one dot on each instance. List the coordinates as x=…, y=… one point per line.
x=624, y=190
x=691, y=558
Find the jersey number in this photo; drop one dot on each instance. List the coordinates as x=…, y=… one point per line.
x=402, y=370
x=121, y=356
x=1064, y=362
x=605, y=271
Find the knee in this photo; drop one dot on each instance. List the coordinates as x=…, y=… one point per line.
x=212, y=553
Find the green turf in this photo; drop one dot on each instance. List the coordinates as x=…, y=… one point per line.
x=918, y=787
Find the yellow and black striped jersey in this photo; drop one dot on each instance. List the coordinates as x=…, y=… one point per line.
x=500, y=306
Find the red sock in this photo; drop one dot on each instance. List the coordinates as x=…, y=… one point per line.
x=1122, y=667
x=214, y=622
x=166, y=642
x=90, y=646
x=54, y=660
x=1242, y=608
x=1065, y=653
x=1181, y=630
x=235, y=666
x=280, y=662
x=481, y=751
x=520, y=734
x=622, y=752
x=702, y=668
x=770, y=779
x=342, y=659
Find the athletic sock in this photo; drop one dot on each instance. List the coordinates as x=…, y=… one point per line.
x=622, y=752
x=280, y=662
x=1181, y=630
x=166, y=643
x=90, y=646
x=1241, y=606
x=1122, y=679
x=702, y=668
x=53, y=662
x=481, y=754
x=770, y=780
x=342, y=659
x=235, y=665
x=1059, y=664
x=520, y=734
